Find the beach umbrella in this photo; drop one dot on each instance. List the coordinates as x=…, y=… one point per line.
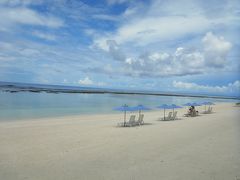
x=140, y=108
x=174, y=106
x=164, y=106
x=187, y=104
x=207, y=103
x=192, y=104
x=124, y=108
x=210, y=103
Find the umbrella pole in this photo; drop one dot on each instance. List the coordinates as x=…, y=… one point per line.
x=124, y=118
x=164, y=113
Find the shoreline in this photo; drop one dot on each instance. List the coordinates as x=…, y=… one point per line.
x=95, y=115
x=114, y=114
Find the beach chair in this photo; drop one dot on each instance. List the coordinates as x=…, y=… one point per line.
x=168, y=117
x=174, y=117
x=188, y=114
x=195, y=113
x=191, y=114
x=131, y=121
x=209, y=110
x=140, y=120
x=205, y=112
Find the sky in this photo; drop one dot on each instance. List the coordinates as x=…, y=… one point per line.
x=158, y=45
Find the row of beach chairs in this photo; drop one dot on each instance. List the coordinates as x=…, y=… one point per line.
x=191, y=114
x=209, y=111
x=195, y=113
x=171, y=116
x=133, y=122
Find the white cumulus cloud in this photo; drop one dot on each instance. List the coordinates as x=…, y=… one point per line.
x=231, y=87
x=85, y=81
x=215, y=49
x=88, y=81
x=167, y=21
x=153, y=29
x=11, y=16
x=211, y=56
x=45, y=36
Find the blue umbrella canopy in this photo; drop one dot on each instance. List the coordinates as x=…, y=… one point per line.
x=140, y=108
x=204, y=103
x=208, y=103
x=192, y=104
x=124, y=108
x=164, y=106
x=187, y=104
x=174, y=106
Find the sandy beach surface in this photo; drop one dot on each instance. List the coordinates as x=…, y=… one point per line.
x=92, y=147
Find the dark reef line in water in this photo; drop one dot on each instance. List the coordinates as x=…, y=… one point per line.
x=51, y=89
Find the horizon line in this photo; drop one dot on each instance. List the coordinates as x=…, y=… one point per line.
x=97, y=90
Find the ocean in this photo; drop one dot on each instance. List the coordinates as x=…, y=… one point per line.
x=19, y=105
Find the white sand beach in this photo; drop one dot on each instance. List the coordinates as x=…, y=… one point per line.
x=92, y=147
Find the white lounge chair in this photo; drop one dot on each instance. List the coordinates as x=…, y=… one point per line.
x=131, y=121
x=168, y=117
x=140, y=120
x=174, y=117
x=195, y=113
x=188, y=114
x=191, y=114
x=209, y=111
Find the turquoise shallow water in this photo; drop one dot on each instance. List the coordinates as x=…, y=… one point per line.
x=27, y=105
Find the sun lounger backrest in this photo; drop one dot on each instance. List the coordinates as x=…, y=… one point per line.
x=140, y=120
x=209, y=109
x=132, y=119
x=141, y=117
x=169, y=115
x=174, y=115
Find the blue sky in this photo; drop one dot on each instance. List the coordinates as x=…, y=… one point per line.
x=178, y=46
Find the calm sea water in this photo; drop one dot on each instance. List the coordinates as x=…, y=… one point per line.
x=27, y=105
